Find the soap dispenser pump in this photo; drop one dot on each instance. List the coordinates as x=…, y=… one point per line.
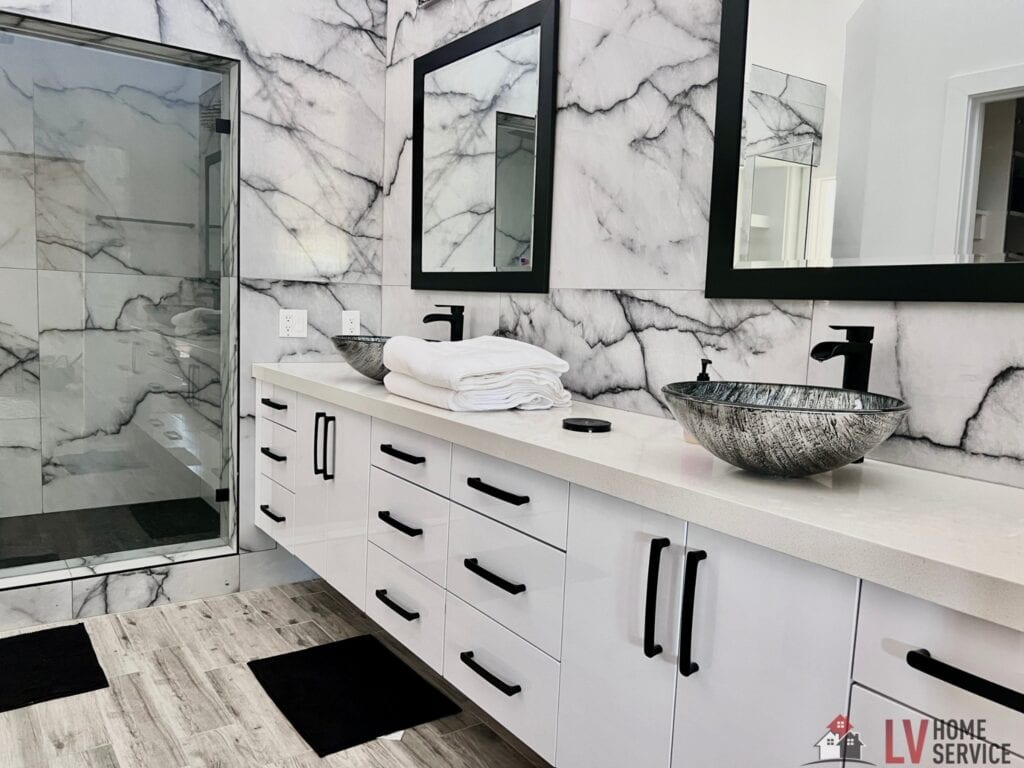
x=702, y=376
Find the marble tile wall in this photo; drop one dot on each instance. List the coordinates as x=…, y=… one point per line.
x=635, y=140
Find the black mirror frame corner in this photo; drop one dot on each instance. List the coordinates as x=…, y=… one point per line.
x=940, y=282
x=542, y=14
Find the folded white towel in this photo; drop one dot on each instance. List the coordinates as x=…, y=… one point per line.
x=460, y=364
x=526, y=391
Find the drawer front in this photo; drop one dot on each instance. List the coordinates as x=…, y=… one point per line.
x=276, y=404
x=410, y=607
x=275, y=453
x=419, y=458
x=529, y=501
x=500, y=658
x=273, y=500
x=410, y=523
x=534, y=613
x=892, y=624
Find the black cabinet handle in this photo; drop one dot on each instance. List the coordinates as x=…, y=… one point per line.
x=490, y=677
x=329, y=421
x=509, y=498
x=265, y=509
x=317, y=469
x=272, y=456
x=406, y=529
x=408, y=458
x=922, y=661
x=693, y=559
x=382, y=595
x=473, y=565
x=651, y=648
x=274, y=404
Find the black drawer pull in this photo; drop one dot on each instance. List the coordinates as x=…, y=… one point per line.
x=274, y=404
x=272, y=456
x=265, y=509
x=651, y=648
x=693, y=559
x=408, y=458
x=473, y=565
x=509, y=498
x=490, y=677
x=382, y=595
x=408, y=530
x=922, y=661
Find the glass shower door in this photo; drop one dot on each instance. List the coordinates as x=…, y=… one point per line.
x=116, y=377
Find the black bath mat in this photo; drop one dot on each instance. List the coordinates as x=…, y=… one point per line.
x=49, y=664
x=191, y=519
x=349, y=692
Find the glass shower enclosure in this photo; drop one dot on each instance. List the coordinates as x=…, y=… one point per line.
x=118, y=329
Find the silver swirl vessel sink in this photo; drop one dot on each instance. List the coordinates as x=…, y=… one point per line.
x=364, y=353
x=786, y=430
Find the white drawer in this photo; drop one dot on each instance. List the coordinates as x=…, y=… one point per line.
x=496, y=552
x=410, y=523
x=275, y=452
x=500, y=659
x=892, y=624
x=419, y=458
x=530, y=501
x=276, y=404
x=273, y=501
x=392, y=589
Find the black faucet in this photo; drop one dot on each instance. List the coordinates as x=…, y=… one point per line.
x=457, y=318
x=857, y=351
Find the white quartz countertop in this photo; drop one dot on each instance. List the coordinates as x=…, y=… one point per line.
x=949, y=540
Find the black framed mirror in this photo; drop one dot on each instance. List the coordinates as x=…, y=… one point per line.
x=483, y=156
x=869, y=150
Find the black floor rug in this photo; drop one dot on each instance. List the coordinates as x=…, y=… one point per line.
x=49, y=664
x=346, y=693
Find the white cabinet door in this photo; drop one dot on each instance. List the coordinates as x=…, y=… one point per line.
x=885, y=732
x=332, y=477
x=767, y=630
x=616, y=702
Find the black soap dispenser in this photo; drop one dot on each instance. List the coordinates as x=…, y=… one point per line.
x=702, y=376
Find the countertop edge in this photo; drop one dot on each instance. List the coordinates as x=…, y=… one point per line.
x=946, y=584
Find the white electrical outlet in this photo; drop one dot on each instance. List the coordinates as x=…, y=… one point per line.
x=292, y=324
x=350, y=322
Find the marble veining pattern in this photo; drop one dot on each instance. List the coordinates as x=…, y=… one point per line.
x=784, y=116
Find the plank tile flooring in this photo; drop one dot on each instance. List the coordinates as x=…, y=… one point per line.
x=181, y=695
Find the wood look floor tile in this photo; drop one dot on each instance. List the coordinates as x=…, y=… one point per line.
x=227, y=747
x=140, y=735
x=339, y=620
x=302, y=587
x=21, y=738
x=71, y=725
x=146, y=630
x=308, y=634
x=184, y=693
x=278, y=609
x=110, y=644
x=98, y=757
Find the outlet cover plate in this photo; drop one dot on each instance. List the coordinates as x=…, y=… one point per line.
x=292, y=324
x=350, y=322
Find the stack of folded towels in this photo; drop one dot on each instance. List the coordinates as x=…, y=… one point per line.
x=488, y=373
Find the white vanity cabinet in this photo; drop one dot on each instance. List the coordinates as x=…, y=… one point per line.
x=322, y=495
x=647, y=683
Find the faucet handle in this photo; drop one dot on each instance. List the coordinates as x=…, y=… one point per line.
x=457, y=309
x=860, y=333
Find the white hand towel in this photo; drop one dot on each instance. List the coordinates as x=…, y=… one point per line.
x=460, y=364
x=526, y=393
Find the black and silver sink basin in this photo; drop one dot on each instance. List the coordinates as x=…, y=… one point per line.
x=364, y=353
x=784, y=429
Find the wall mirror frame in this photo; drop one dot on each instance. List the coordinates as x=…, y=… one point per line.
x=542, y=16
x=978, y=282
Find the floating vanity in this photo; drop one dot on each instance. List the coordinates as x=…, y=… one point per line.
x=626, y=598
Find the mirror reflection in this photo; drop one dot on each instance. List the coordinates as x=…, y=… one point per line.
x=479, y=159
x=882, y=132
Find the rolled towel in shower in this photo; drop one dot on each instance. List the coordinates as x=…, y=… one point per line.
x=457, y=365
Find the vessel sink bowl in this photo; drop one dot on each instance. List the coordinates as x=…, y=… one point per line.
x=784, y=429
x=364, y=353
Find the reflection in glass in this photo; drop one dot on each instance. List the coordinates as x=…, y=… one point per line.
x=514, y=165
x=998, y=234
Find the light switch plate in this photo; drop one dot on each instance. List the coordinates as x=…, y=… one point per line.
x=350, y=322
x=292, y=324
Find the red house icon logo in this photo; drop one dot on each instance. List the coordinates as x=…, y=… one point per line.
x=841, y=743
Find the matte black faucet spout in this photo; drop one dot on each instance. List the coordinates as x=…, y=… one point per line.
x=857, y=353
x=456, y=317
